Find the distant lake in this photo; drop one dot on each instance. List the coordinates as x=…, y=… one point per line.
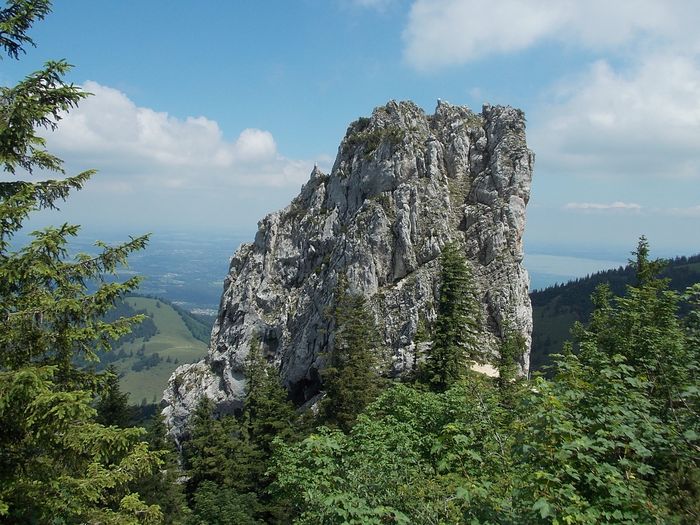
x=546, y=270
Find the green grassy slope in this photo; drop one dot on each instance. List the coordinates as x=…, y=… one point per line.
x=555, y=309
x=173, y=342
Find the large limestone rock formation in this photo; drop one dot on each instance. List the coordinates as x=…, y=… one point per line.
x=404, y=184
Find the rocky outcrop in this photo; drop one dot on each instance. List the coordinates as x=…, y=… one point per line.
x=404, y=184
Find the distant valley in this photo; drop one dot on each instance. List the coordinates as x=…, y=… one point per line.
x=167, y=338
x=188, y=269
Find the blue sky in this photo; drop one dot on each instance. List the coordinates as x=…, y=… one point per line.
x=207, y=115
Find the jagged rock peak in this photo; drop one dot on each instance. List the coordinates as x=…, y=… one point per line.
x=404, y=184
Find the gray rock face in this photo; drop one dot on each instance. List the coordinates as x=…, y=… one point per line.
x=404, y=184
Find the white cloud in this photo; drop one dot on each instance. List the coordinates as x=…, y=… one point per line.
x=442, y=33
x=633, y=207
x=379, y=5
x=638, y=117
x=641, y=121
x=690, y=211
x=595, y=206
x=136, y=146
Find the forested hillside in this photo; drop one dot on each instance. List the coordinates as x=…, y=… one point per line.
x=144, y=359
x=556, y=308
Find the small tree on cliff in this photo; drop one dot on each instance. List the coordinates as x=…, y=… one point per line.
x=455, y=343
x=267, y=411
x=351, y=379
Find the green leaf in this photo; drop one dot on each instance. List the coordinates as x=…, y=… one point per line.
x=542, y=505
x=690, y=435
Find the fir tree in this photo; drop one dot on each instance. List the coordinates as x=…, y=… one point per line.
x=164, y=487
x=268, y=415
x=455, y=343
x=57, y=464
x=267, y=411
x=643, y=326
x=113, y=404
x=220, y=459
x=351, y=380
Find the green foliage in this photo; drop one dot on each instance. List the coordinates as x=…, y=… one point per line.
x=57, y=464
x=351, y=379
x=373, y=138
x=401, y=463
x=221, y=459
x=16, y=19
x=455, y=344
x=163, y=487
x=113, y=404
x=143, y=330
x=692, y=320
x=556, y=308
x=643, y=326
x=218, y=450
x=267, y=411
x=216, y=505
x=509, y=382
x=612, y=437
x=227, y=458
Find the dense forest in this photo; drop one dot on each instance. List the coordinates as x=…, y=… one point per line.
x=557, y=307
x=611, y=436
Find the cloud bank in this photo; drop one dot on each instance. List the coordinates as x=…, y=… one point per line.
x=444, y=33
x=160, y=172
x=135, y=147
x=595, y=206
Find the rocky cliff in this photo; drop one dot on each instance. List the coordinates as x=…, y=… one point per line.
x=404, y=184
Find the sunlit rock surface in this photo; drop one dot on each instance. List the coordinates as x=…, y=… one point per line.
x=404, y=184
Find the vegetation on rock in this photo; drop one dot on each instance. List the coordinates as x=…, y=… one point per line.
x=612, y=437
x=351, y=377
x=454, y=345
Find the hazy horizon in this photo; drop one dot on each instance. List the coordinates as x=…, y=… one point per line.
x=216, y=135
x=188, y=267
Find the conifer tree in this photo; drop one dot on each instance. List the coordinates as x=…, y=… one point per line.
x=266, y=409
x=268, y=415
x=458, y=322
x=163, y=487
x=222, y=463
x=57, y=464
x=351, y=379
x=207, y=451
x=643, y=326
x=227, y=458
x=113, y=404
